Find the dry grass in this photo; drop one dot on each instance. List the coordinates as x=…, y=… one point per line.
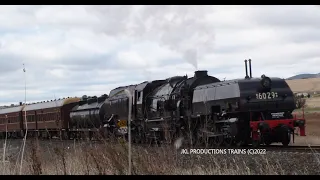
x=307, y=85
x=304, y=85
x=313, y=103
x=87, y=158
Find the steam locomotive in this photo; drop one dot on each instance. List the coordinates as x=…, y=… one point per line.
x=201, y=109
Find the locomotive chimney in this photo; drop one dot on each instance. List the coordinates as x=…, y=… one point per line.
x=20, y=103
x=250, y=68
x=246, y=65
x=200, y=74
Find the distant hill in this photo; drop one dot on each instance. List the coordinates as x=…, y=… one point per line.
x=304, y=76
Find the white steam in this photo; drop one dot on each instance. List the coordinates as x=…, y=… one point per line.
x=179, y=28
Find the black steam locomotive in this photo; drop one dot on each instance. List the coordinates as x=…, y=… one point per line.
x=203, y=109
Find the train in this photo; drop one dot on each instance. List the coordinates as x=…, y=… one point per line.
x=200, y=110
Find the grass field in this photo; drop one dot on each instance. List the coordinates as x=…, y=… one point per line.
x=87, y=158
x=304, y=85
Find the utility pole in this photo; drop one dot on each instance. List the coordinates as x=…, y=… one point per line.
x=5, y=142
x=25, y=116
x=129, y=95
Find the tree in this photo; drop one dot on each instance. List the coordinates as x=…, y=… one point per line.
x=300, y=102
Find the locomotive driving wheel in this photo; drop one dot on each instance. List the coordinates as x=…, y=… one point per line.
x=189, y=137
x=202, y=136
x=285, y=135
x=255, y=143
x=138, y=135
x=217, y=141
x=267, y=139
x=228, y=141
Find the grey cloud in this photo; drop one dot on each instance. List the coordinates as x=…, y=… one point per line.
x=75, y=50
x=9, y=63
x=288, y=16
x=301, y=34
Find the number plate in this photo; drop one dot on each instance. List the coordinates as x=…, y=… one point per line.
x=122, y=123
x=267, y=95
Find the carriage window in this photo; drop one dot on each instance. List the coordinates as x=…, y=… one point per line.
x=33, y=118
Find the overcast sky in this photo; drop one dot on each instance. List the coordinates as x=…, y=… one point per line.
x=77, y=50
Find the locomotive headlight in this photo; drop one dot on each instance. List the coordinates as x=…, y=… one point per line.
x=266, y=81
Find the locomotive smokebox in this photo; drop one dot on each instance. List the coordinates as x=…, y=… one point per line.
x=199, y=74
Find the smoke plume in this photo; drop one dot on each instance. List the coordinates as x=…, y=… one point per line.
x=180, y=28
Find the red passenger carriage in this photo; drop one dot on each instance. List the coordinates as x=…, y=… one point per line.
x=49, y=118
x=10, y=121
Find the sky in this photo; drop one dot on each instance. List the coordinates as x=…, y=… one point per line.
x=72, y=51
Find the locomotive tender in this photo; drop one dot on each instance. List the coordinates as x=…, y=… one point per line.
x=202, y=109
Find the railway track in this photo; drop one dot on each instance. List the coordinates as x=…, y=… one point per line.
x=295, y=149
